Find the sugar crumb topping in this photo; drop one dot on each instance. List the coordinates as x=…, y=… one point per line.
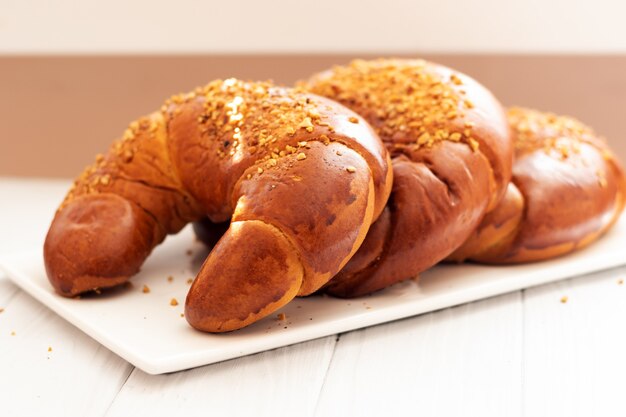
x=401, y=99
x=559, y=136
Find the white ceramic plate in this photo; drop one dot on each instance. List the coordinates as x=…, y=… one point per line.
x=147, y=331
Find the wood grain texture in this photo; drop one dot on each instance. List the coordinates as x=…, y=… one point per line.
x=574, y=362
x=78, y=377
x=460, y=361
x=8, y=291
x=524, y=353
x=280, y=382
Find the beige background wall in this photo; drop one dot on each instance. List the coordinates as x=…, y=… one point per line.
x=74, y=73
x=322, y=26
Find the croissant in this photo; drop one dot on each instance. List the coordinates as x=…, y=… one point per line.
x=568, y=188
x=299, y=177
x=451, y=152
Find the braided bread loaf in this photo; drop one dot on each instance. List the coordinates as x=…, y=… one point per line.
x=299, y=177
x=451, y=152
x=567, y=190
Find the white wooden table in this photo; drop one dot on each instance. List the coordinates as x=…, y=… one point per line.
x=525, y=353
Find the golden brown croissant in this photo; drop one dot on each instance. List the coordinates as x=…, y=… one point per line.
x=452, y=154
x=299, y=177
x=567, y=190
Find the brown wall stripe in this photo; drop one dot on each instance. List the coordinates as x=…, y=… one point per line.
x=57, y=112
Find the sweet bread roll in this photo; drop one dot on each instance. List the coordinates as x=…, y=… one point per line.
x=299, y=177
x=451, y=152
x=568, y=188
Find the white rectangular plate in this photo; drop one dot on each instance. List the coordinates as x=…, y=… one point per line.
x=147, y=331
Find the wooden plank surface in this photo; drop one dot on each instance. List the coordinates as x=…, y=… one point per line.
x=459, y=361
x=281, y=382
x=575, y=351
x=524, y=353
x=78, y=377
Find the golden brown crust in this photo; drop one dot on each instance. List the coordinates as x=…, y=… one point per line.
x=325, y=202
x=111, y=235
x=451, y=152
x=304, y=176
x=138, y=167
x=497, y=230
x=416, y=104
x=273, y=277
x=238, y=124
x=568, y=190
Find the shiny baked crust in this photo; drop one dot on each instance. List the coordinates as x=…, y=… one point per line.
x=451, y=153
x=567, y=189
x=300, y=177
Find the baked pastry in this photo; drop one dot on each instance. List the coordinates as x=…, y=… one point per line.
x=568, y=188
x=451, y=152
x=300, y=178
